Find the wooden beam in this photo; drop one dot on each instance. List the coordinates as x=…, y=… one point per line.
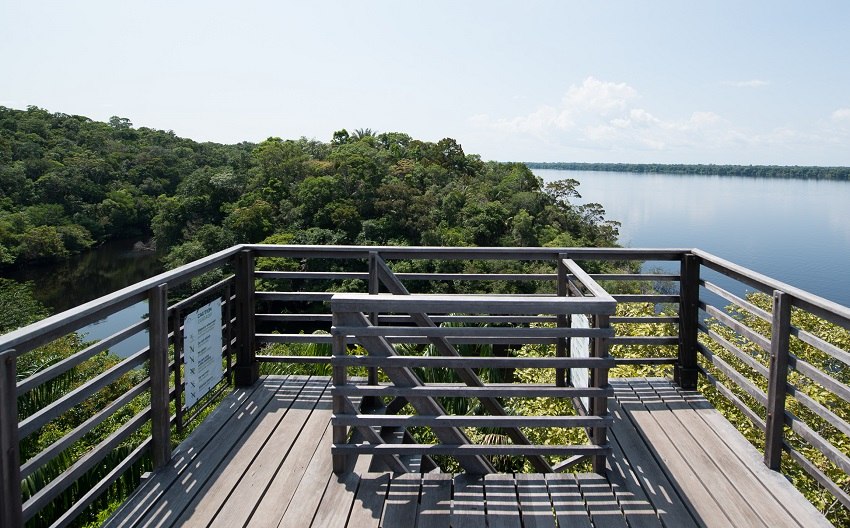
x=160, y=413
x=777, y=379
x=10, y=458
x=247, y=370
x=685, y=372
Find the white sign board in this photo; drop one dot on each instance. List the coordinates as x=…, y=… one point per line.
x=202, y=350
x=580, y=348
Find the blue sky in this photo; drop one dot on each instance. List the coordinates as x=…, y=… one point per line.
x=662, y=81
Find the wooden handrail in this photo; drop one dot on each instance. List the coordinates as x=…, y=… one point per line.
x=724, y=363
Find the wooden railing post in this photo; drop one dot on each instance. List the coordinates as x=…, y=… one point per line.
x=562, y=375
x=600, y=403
x=11, y=507
x=686, y=370
x=374, y=288
x=780, y=334
x=160, y=413
x=247, y=370
x=340, y=378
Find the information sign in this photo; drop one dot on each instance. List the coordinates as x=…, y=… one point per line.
x=202, y=350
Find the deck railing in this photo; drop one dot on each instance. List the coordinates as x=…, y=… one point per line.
x=352, y=323
x=790, y=382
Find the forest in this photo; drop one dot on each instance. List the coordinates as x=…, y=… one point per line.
x=749, y=171
x=69, y=183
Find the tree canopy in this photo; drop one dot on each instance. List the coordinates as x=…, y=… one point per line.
x=68, y=182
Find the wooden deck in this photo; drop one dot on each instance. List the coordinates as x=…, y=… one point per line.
x=263, y=459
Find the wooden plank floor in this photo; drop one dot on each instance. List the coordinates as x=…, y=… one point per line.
x=263, y=459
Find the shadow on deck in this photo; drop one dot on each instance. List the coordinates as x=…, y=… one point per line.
x=264, y=459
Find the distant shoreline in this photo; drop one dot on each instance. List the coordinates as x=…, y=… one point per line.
x=752, y=171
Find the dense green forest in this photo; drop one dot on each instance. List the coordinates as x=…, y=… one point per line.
x=68, y=183
x=752, y=171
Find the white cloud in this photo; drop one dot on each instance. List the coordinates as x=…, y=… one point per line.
x=752, y=83
x=604, y=115
x=598, y=119
x=842, y=114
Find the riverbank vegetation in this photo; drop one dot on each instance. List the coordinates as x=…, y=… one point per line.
x=747, y=171
x=68, y=183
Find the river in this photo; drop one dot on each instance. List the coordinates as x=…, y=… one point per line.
x=796, y=231
x=81, y=278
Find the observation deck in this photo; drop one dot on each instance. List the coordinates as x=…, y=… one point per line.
x=442, y=387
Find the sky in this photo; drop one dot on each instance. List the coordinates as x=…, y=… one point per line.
x=755, y=82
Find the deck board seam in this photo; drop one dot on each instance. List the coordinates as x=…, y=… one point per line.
x=771, y=490
x=641, y=436
x=654, y=451
x=187, y=447
x=745, y=505
x=310, y=419
x=304, y=384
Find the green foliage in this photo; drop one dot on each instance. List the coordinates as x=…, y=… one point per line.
x=69, y=183
x=831, y=333
x=18, y=306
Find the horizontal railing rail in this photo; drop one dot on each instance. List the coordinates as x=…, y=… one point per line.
x=780, y=357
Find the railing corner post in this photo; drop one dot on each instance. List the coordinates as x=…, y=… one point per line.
x=599, y=381
x=11, y=504
x=374, y=289
x=561, y=347
x=340, y=378
x=777, y=379
x=686, y=371
x=160, y=390
x=247, y=369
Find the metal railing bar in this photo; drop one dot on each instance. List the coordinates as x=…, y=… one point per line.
x=65, y=365
x=69, y=516
x=823, y=308
x=209, y=290
x=80, y=394
x=821, y=477
x=54, y=449
x=65, y=322
x=726, y=392
x=513, y=390
x=56, y=486
x=475, y=362
x=399, y=420
x=468, y=331
x=471, y=449
x=758, y=339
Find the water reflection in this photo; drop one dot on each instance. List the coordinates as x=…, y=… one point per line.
x=796, y=231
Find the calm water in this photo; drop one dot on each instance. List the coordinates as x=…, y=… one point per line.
x=81, y=278
x=796, y=231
